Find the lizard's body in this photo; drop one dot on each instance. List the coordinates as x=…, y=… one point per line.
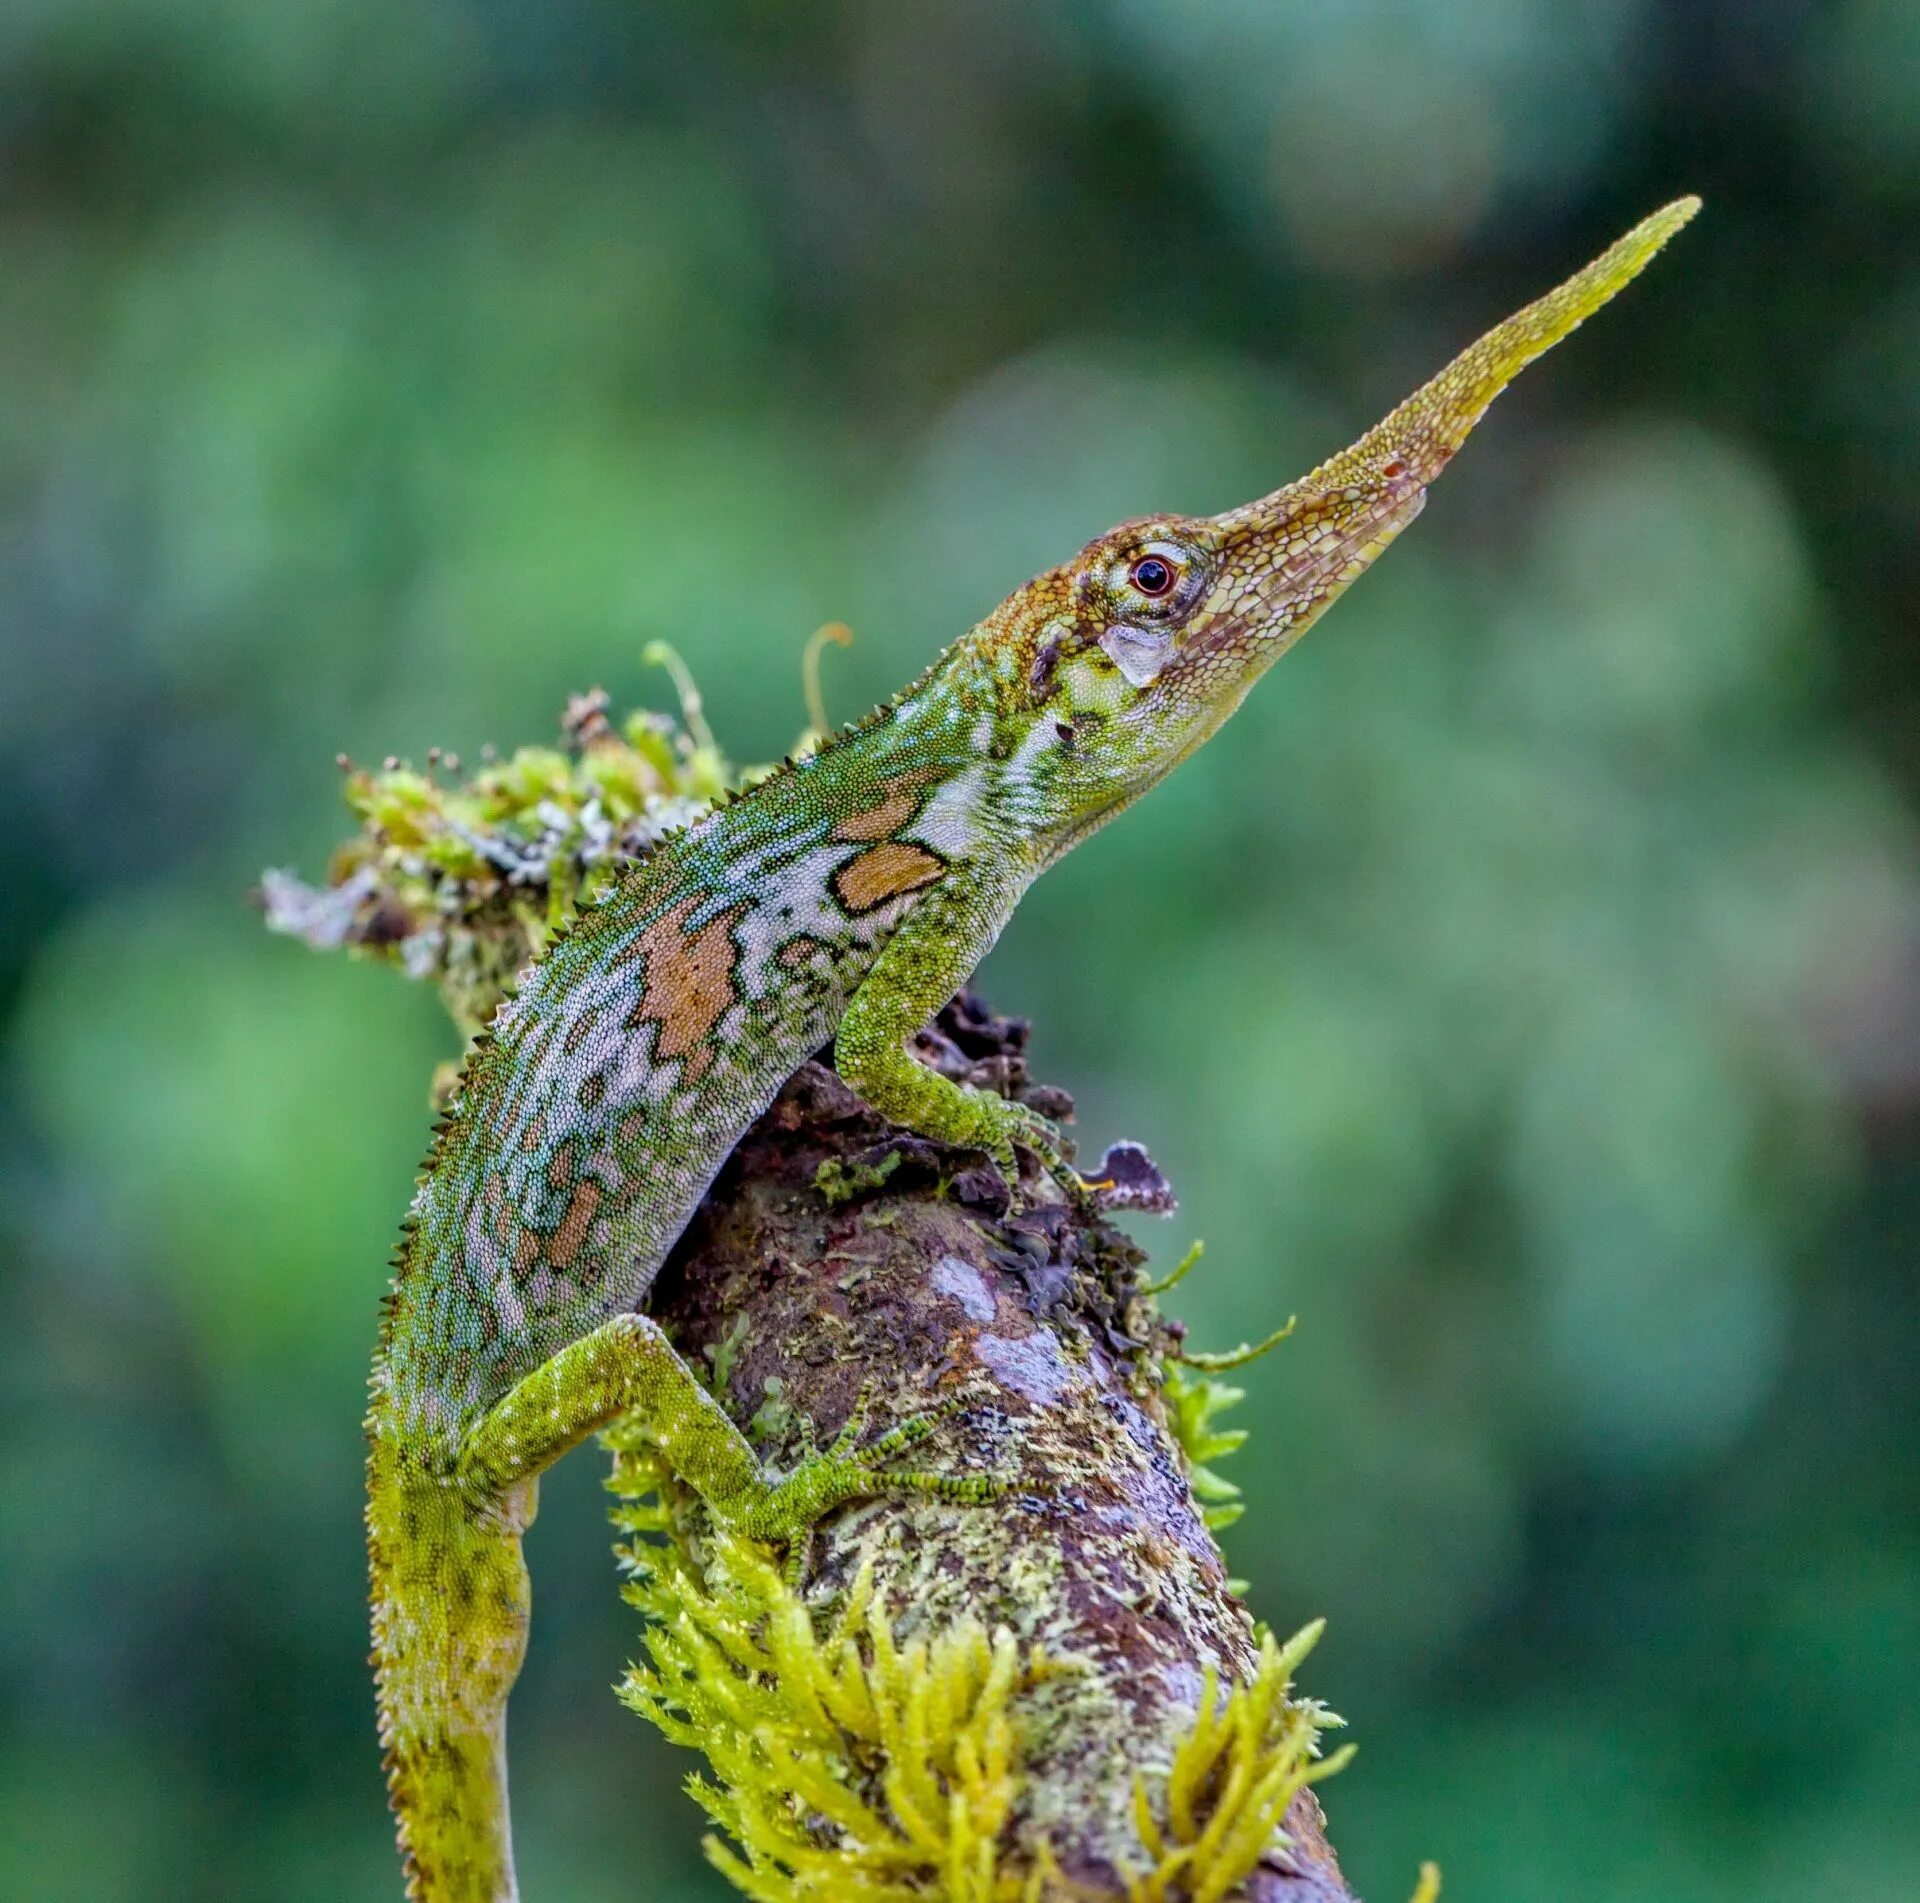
x=611, y=1091
x=845, y=897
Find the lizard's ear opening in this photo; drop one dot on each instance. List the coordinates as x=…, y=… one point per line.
x=1139, y=653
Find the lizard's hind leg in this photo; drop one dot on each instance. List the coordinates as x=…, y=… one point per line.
x=451, y=1596
x=627, y=1366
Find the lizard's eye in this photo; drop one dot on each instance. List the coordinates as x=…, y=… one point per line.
x=1153, y=575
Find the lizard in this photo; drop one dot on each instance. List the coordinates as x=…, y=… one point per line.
x=844, y=898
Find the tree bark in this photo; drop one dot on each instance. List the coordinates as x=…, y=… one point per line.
x=910, y=1273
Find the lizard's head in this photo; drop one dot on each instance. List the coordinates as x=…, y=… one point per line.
x=1128, y=657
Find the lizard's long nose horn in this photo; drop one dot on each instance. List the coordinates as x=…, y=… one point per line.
x=1395, y=461
x=1423, y=433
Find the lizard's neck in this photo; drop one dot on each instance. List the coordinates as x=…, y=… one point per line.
x=923, y=772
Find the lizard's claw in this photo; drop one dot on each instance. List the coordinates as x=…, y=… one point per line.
x=1085, y=1190
x=1016, y=1126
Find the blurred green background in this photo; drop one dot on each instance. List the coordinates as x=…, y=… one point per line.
x=1526, y=989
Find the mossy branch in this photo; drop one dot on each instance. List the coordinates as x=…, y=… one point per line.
x=850, y=1768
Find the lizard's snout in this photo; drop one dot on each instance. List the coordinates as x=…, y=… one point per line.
x=1287, y=556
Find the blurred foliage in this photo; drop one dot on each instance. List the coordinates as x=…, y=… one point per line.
x=1526, y=988
x=1193, y=1403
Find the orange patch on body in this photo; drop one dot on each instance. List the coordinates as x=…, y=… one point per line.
x=900, y=804
x=526, y=1255
x=885, y=872
x=687, y=983
x=572, y=1233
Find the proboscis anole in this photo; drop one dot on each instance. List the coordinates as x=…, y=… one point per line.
x=846, y=897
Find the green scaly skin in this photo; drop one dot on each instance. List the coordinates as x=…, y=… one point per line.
x=846, y=897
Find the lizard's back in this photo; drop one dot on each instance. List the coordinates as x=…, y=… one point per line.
x=594, y=1116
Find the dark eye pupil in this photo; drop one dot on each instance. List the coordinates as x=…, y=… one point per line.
x=1152, y=576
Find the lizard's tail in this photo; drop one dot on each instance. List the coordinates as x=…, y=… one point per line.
x=450, y=1603
x=449, y=1797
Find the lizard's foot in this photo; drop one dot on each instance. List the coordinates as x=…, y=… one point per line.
x=785, y=1510
x=1007, y=1124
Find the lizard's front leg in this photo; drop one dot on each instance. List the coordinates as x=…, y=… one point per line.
x=926, y=961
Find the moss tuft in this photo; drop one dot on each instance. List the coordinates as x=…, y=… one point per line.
x=1246, y=1757
x=840, y=1182
x=463, y=877
x=1192, y=1401
x=847, y=1768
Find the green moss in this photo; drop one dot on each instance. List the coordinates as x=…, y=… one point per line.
x=840, y=1182
x=726, y=1351
x=1238, y=1357
x=775, y=1413
x=1192, y=1402
x=847, y=1767
x=1246, y=1757
x=1196, y=1250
